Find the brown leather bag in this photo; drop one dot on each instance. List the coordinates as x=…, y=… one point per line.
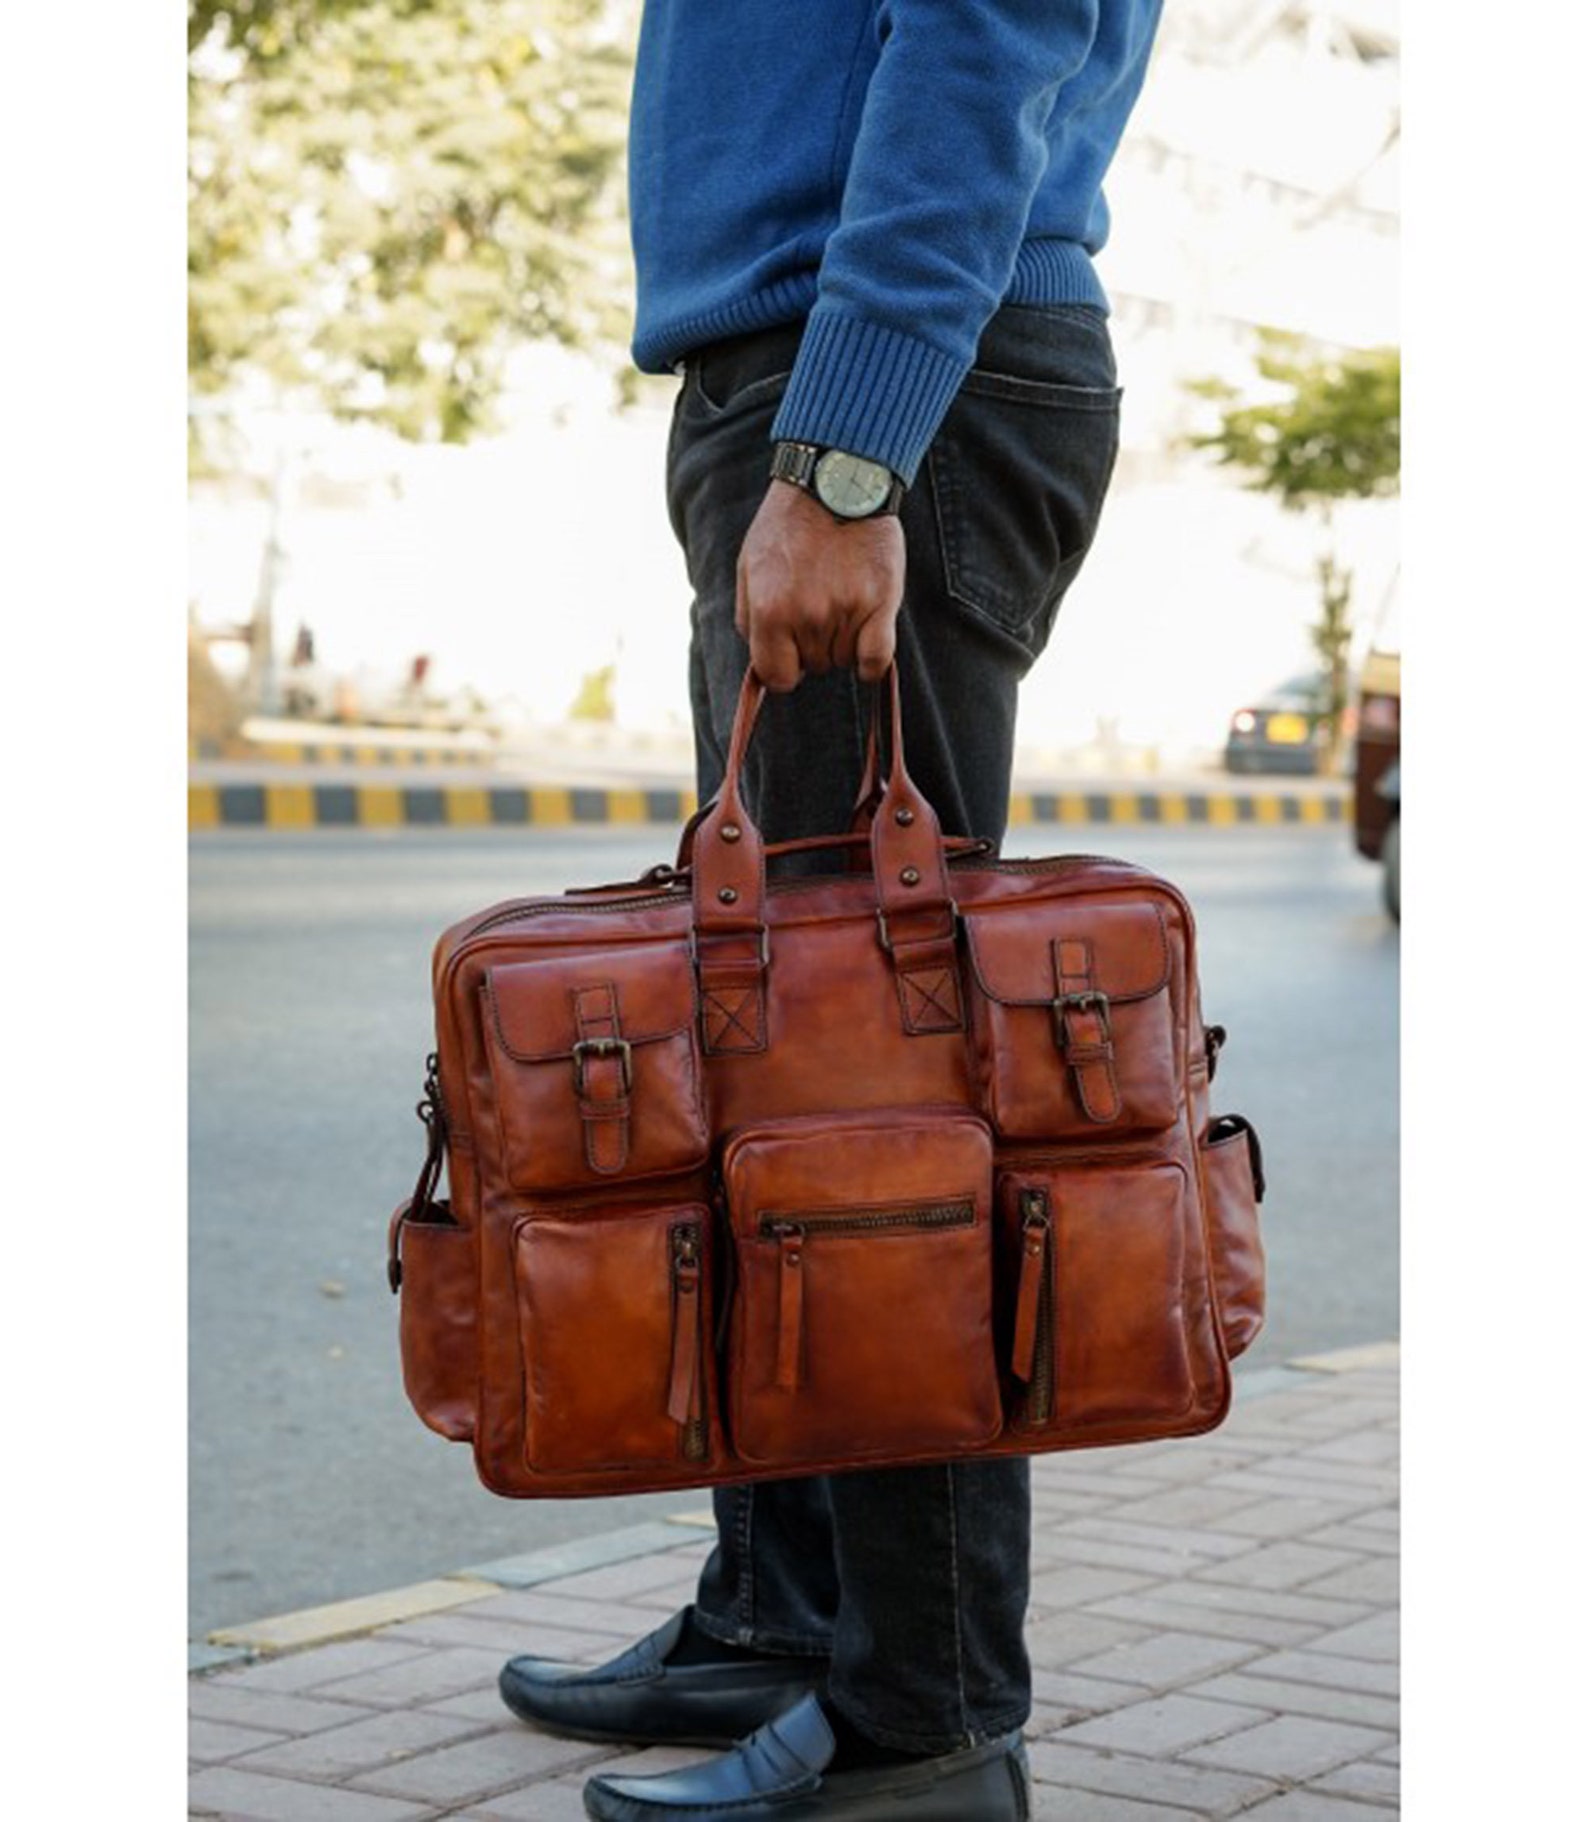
x=756, y=1177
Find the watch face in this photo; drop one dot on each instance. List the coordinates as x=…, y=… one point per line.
x=851, y=486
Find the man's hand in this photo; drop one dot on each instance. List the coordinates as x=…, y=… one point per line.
x=815, y=594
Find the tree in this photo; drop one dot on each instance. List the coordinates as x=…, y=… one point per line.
x=1329, y=431
x=386, y=195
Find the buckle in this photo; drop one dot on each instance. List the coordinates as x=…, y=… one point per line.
x=885, y=937
x=603, y=1047
x=1089, y=1000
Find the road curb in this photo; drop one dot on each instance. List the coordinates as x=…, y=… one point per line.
x=360, y=750
x=266, y=805
x=313, y=1626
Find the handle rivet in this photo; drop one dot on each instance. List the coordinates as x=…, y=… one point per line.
x=731, y=831
x=904, y=817
x=911, y=876
x=728, y=895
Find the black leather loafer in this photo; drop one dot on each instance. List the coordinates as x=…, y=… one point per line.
x=779, y=1775
x=641, y=1699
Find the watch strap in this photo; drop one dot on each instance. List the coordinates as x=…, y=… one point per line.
x=795, y=462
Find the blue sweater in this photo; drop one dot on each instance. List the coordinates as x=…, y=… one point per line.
x=889, y=170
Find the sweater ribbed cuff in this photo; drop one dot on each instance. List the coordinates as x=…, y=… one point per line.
x=870, y=390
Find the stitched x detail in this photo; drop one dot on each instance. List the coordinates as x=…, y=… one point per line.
x=932, y=1000
x=726, y=1028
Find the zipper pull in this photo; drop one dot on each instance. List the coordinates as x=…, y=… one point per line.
x=790, y=1302
x=1036, y=1229
x=685, y=1392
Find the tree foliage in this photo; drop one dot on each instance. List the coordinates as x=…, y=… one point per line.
x=1331, y=431
x=385, y=196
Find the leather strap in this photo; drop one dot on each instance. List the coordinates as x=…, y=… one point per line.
x=916, y=916
x=684, y=1402
x=1083, y=1029
x=916, y=919
x=728, y=886
x=603, y=1078
x=790, y=1311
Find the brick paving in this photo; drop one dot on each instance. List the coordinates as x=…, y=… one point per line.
x=1214, y=1629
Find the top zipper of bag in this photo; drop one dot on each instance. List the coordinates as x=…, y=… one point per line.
x=673, y=892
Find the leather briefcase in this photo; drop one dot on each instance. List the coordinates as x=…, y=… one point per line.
x=755, y=1176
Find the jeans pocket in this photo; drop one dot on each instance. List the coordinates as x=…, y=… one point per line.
x=766, y=390
x=1018, y=473
x=740, y=373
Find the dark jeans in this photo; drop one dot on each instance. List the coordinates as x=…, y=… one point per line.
x=914, y=1580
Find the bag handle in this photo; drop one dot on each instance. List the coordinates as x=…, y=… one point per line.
x=916, y=917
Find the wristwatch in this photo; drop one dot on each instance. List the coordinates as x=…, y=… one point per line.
x=849, y=486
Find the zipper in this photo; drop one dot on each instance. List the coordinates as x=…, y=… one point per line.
x=1034, y=1316
x=866, y=1221
x=685, y=1380
x=792, y=1229
x=671, y=893
x=511, y=914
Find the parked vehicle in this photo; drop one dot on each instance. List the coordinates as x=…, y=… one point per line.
x=1376, y=799
x=1283, y=731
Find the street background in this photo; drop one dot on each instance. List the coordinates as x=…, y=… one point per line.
x=96, y=558
x=415, y=515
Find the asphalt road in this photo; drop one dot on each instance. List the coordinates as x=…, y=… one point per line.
x=311, y=1480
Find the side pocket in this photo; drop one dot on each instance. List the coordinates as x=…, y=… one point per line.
x=1232, y=1164
x=439, y=1284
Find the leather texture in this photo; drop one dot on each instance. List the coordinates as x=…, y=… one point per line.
x=640, y=1698
x=1232, y=1161
x=752, y=1177
x=780, y=1772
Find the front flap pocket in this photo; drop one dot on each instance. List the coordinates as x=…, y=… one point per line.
x=861, y=1320
x=615, y=1329
x=1073, y=1018
x=1233, y=1169
x=594, y=1066
x=1092, y=1292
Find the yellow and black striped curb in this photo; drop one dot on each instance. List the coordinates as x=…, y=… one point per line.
x=338, y=752
x=261, y=805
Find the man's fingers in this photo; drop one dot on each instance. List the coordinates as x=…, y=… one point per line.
x=774, y=656
x=874, y=647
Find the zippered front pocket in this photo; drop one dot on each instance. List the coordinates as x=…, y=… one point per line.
x=861, y=1319
x=1092, y=1260
x=615, y=1326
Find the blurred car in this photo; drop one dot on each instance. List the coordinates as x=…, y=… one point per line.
x=1376, y=795
x=1283, y=731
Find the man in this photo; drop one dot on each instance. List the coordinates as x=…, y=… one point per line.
x=863, y=233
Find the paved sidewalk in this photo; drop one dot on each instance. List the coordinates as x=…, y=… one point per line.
x=1214, y=1626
